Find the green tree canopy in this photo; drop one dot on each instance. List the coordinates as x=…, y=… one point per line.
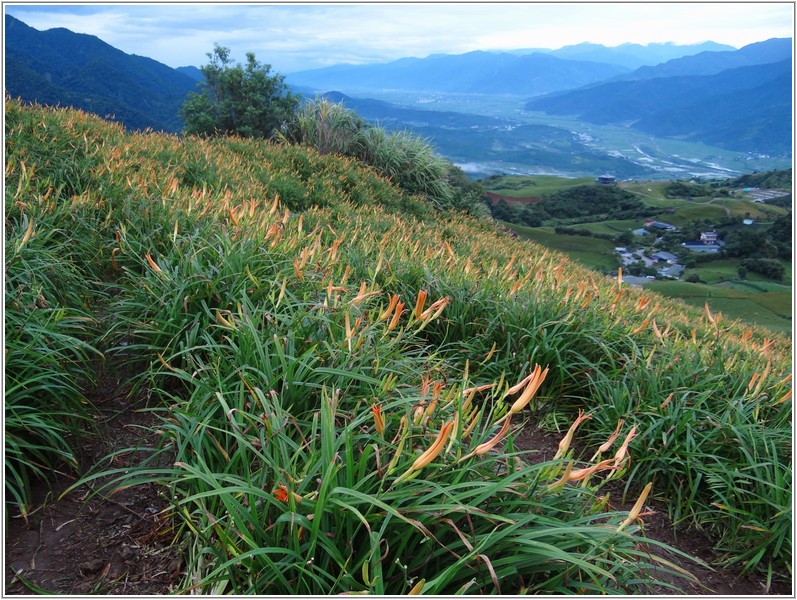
x=246, y=100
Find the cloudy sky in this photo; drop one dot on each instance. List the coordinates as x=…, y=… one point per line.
x=296, y=36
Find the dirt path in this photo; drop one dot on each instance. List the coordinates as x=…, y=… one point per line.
x=83, y=544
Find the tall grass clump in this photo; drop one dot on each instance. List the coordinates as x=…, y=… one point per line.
x=341, y=373
x=325, y=126
x=51, y=286
x=406, y=159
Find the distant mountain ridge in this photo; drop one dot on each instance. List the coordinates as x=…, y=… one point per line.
x=61, y=67
x=710, y=63
x=473, y=72
x=526, y=72
x=630, y=56
x=746, y=109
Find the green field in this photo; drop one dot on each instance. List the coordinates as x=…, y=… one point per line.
x=594, y=253
x=726, y=270
x=610, y=227
x=768, y=309
x=522, y=186
x=748, y=208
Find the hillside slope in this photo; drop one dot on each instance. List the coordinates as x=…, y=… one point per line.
x=60, y=67
x=341, y=371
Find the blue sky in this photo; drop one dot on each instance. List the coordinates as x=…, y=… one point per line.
x=297, y=36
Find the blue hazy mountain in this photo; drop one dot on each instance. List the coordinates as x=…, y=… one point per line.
x=746, y=109
x=631, y=56
x=710, y=63
x=193, y=72
x=473, y=72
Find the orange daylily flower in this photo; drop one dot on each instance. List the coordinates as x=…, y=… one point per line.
x=281, y=494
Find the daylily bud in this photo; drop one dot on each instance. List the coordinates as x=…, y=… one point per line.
x=490, y=444
x=153, y=264
x=419, y=303
x=564, y=445
x=396, y=315
x=379, y=421
x=580, y=474
x=621, y=453
x=435, y=449
x=634, y=513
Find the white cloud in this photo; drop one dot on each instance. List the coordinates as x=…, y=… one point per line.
x=300, y=36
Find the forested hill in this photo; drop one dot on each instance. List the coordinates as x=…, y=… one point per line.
x=746, y=109
x=60, y=67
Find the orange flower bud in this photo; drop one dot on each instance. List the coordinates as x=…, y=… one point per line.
x=419, y=303
x=379, y=421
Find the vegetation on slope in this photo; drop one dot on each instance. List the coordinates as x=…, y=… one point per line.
x=341, y=370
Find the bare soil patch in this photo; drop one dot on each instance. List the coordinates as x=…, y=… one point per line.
x=512, y=199
x=84, y=543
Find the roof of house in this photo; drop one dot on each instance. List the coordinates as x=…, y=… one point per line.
x=659, y=225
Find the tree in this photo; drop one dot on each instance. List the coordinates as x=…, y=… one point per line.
x=768, y=267
x=741, y=271
x=236, y=99
x=781, y=234
x=626, y=238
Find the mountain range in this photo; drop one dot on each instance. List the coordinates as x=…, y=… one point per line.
x=630, y=56
x=473, y=72
x=746, y=109
x=736, y=99
x=61, y=67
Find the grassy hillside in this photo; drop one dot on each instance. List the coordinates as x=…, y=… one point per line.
x=341, y=371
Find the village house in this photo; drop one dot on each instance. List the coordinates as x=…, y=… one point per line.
x=661, y=225
x=708, y=237
x=667, y=257
x=605, y=179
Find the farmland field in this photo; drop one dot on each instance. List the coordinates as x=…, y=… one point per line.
x=771, y=309
x=593, y=253
x=526, y=186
